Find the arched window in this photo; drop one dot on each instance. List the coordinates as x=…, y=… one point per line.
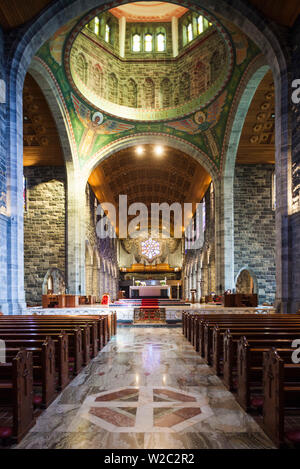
x=113, y=88
x=107, y=33
x=161, y=42
x=189, y=32
x=97, y=26
x=81, y=67
x=166, y=93
x=136, y=43
x=97, y=79
x=132, y=93
x=200, y=24
x=148, y=43
x=149, y=93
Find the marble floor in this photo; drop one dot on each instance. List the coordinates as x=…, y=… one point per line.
x=147, y=389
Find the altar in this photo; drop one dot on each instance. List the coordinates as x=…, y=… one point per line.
x=150, y=291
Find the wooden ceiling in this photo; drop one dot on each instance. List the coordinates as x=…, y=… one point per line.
x=257, y=143
x=148, y=178
x=284, y=12
x=41, y=143
x=171, y=177
x=14, y=13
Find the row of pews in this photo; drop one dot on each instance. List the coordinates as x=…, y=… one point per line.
x=42, y=355
x=255, y=355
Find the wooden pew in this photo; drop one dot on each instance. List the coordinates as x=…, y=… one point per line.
x=44, y=329
x=74, y=342
x=61, y=355
x=230, y=349
x=250, y=366
x=44, y=375
x=16, y=394
x=213, y=350
x=281, y=384
x=90, y=345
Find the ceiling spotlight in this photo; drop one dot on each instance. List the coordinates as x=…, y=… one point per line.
x=139, y=150
x=158, y=150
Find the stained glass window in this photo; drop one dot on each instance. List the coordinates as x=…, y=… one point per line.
x=148, y=43
x=107, y=33
x=150, y=248
x=96, y=26
x=161, y=42
x=190, y=32
x=136, y=43
x=200, y=24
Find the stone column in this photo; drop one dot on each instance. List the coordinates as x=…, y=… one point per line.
x=101, y=283
x=122, y=35
x=198, y=282
x=175, y=36
x=12, y=295
x=189, y=286
x=76, y=233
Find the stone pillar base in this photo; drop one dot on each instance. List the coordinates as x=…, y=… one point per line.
x=12, y=307
x=287, y=306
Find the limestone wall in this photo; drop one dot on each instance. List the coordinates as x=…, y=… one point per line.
x=254, y=227
x=44, y=227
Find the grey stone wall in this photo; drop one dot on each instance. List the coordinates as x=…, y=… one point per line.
x=254, y=227
x=44, y=227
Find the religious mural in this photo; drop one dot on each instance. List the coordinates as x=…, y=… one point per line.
x=94, y=91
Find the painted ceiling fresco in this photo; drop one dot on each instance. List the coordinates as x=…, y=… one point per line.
x=93, y=129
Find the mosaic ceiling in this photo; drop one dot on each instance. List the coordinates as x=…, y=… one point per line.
x=201, y=122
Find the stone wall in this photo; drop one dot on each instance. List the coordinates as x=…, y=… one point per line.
x=44, y=227
x=254, y=227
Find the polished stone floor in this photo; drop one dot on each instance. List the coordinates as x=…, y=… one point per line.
x=146, y=389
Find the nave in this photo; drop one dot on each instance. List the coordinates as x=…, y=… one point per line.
x=146, y=389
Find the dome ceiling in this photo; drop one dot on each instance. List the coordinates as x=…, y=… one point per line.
x=149, y=87
x=148, y=11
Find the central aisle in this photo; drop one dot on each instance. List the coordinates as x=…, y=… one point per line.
x=146, y=389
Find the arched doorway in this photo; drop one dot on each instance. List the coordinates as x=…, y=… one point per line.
x=246, y=282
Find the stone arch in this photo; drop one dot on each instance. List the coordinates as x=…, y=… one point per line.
x=98, y=79
x=246, y=281
x=174, y=142
x=200, y=78
x=28, y=40
x=184, y=88
x=131, y=100
x=166, y=92
x=57, y=280
x=252, y=80
x=149, y=93
x=112, y=88
x=82, y=67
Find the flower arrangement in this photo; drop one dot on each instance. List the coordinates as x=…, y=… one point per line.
x=163, y=282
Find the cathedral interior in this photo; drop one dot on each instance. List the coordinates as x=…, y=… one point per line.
x=124, y=127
